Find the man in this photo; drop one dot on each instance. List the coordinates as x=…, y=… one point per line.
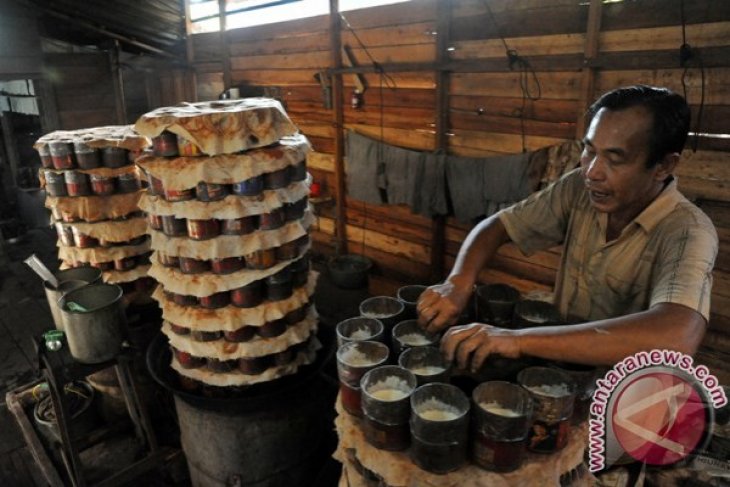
x=637, y=257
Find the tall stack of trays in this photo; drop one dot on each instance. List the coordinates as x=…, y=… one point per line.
x=228, y=217
x=93, y=190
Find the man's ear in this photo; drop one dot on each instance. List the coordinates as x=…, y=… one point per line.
x=666, y=166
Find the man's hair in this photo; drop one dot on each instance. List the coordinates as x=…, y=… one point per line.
x=671, y=116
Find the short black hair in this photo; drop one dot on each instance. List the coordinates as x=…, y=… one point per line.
x=669, y=110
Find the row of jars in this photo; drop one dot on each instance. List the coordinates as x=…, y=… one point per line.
x=68, y=154
x=257, y=260
x=213, y=192
x=71, y=236
x=276, y=287
x=246, y=366
x=76, y=183
x=210, y=228
x=270, y=329
x=122, y=264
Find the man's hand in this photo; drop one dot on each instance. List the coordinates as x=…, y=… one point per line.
x=440, y=306
x=471, y=344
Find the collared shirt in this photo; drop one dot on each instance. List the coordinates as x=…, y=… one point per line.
x=665, y=255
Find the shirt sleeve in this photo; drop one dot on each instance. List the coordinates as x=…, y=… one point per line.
x=683, y=269
x=541, y=221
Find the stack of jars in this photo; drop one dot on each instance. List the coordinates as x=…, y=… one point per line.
x=92, y=191
x=229, y=233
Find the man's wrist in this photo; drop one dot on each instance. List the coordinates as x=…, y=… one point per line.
x=461, y=283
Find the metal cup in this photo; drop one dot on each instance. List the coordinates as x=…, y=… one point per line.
x=78, y=276
x=386, y=392
x=496, y=303
x=407, y=334
x=359, y=329
x=426, y=363
x=408, y=295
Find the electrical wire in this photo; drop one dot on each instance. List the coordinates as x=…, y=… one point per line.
x=687, y=53
x=525, y=72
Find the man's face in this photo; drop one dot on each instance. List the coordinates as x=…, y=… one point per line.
x=614, y=163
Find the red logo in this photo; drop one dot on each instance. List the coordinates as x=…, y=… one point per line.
x=659, y=418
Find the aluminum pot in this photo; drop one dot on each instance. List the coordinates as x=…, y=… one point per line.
x=95, y=334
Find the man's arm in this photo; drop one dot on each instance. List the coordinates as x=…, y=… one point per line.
x=440, y=305
x=605, y=342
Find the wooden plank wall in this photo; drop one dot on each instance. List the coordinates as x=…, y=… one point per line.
x=638, y=43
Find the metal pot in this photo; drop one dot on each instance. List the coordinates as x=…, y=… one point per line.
x=94, y=335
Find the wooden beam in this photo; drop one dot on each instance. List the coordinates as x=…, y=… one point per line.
x=47, y=106
x=588, y=80
x=338, y=122
x=11, y=149
x=191, y=77
x=438, y=223
x=226, y=56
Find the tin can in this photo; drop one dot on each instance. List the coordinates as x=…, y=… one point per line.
x=299, y=314
x=62, y=155
x=261, y=259
x=243, y=334
x=210, y=191
x=145, y=285
x=179, y=330
x=154, y=221
x=222, y=366
x=273, y=220
x=165, y=144
x=184, y=299
x=77, y=183
x=279, y=286
x=179, y=194
x=295, y=211
x=299, y=171
x=174, y=227
x=271, y=329
x=186, y=360
x=125, y=264
x=127, y=183
x=187, y=148
x=248, y=296
x=215, y=301
x=168, y=260
x=351, y=398
x=154, y=185
x=55, y=183
x=277, y=179
x=188, y=265
x=300, y=271
x=287, y=251
x=285, y=357
x=386, y=392
x=227, y=265
x=103, y=266
x=114, y=157
x=205, y=336
x=254, y=365
x=101, y=185
x=86, y=157
x=250, y=187
x=65, y=235
x=44, y=152
x=203, y=229
x=82, y=240
x=239, y=226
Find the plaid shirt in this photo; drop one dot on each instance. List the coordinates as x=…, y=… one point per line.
x=665, y=255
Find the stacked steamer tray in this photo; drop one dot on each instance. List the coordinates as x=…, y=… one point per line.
x=228, y=216
x=93, y=192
